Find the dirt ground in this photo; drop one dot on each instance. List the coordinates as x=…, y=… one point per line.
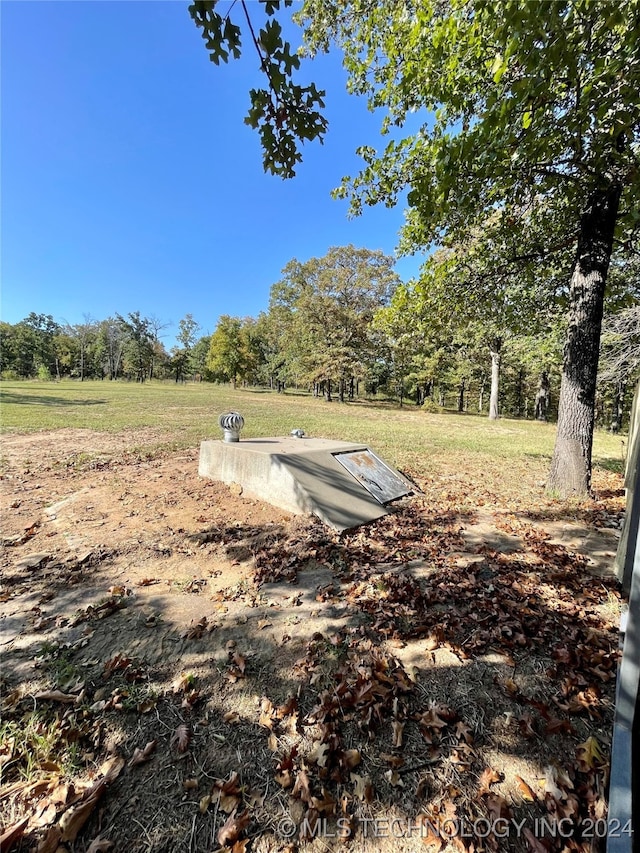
x=187, y=669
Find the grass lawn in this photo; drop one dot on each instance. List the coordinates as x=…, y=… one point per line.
x=183, y=415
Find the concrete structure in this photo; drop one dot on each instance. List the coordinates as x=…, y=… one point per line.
x=344, y=484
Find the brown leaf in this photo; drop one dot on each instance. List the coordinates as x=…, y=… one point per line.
x=319, y=754
x=142, y=755
x=394, y=761
x=325, y=804
x=556, y=726
x=75, y=818
x=51, y=842
x=181, y=738
x=525, y=790
x=112, y=768
x=363, y=788
x=45, y=814
x=464, y=732
x=302, y=788
x=12, y=835
x=397, y=728
x=394, y=778
x=231, y=717
x=231, y=829
x=57, y=696
x=267, y=714
x=589, y=754
x=352, y=758
x=487, y=778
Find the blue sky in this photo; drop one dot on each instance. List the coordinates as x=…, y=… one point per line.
x=130, y=182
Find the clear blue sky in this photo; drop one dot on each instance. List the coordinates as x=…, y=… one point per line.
x=130, y=182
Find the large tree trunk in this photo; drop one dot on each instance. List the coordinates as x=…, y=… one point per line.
x=570, y=472
x=495, y=347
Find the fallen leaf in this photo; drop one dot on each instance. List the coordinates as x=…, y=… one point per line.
x=142, y=755
x=181, y=738
x=589, y=754
x=231, y=829
x=487, y=778
x=393, y=778
x=57, y=696
x=352, y=758
x=319, y=754
x=75, y=818
x=302, y=788
x=12, y=835
x=397, y=729
x=363, y=788
x=525, y=790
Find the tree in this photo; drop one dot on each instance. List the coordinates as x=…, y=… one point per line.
x=522, y=111
x=229, y=358
x=139, y=349
x=112, y=337
x=181, y=355
x=326, y=307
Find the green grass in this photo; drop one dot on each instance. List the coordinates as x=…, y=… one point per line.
x=182, y=415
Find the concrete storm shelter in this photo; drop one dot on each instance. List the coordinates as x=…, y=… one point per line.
x=343, y=483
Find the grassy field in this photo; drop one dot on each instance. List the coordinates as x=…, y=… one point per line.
x=186, y=414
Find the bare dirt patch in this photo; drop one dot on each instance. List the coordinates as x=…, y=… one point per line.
x=186, y=669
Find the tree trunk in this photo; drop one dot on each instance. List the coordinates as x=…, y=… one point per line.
x=495, y=347
x=542, y=397
x=328, y=393
x=519, y=393
x=570, y=472
x=481, y=394
x=462, y=388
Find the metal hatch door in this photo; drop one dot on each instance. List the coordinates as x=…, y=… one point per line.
x=381, y=481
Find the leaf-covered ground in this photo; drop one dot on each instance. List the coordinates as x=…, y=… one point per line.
x=187, y=669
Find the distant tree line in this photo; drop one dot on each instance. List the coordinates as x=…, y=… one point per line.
x=344, y=327
x=130, y=347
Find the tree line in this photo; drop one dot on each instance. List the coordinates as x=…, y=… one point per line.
x=39, y=347
x=345, y=327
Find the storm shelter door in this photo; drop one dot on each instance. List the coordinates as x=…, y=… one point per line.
x=374, y=475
